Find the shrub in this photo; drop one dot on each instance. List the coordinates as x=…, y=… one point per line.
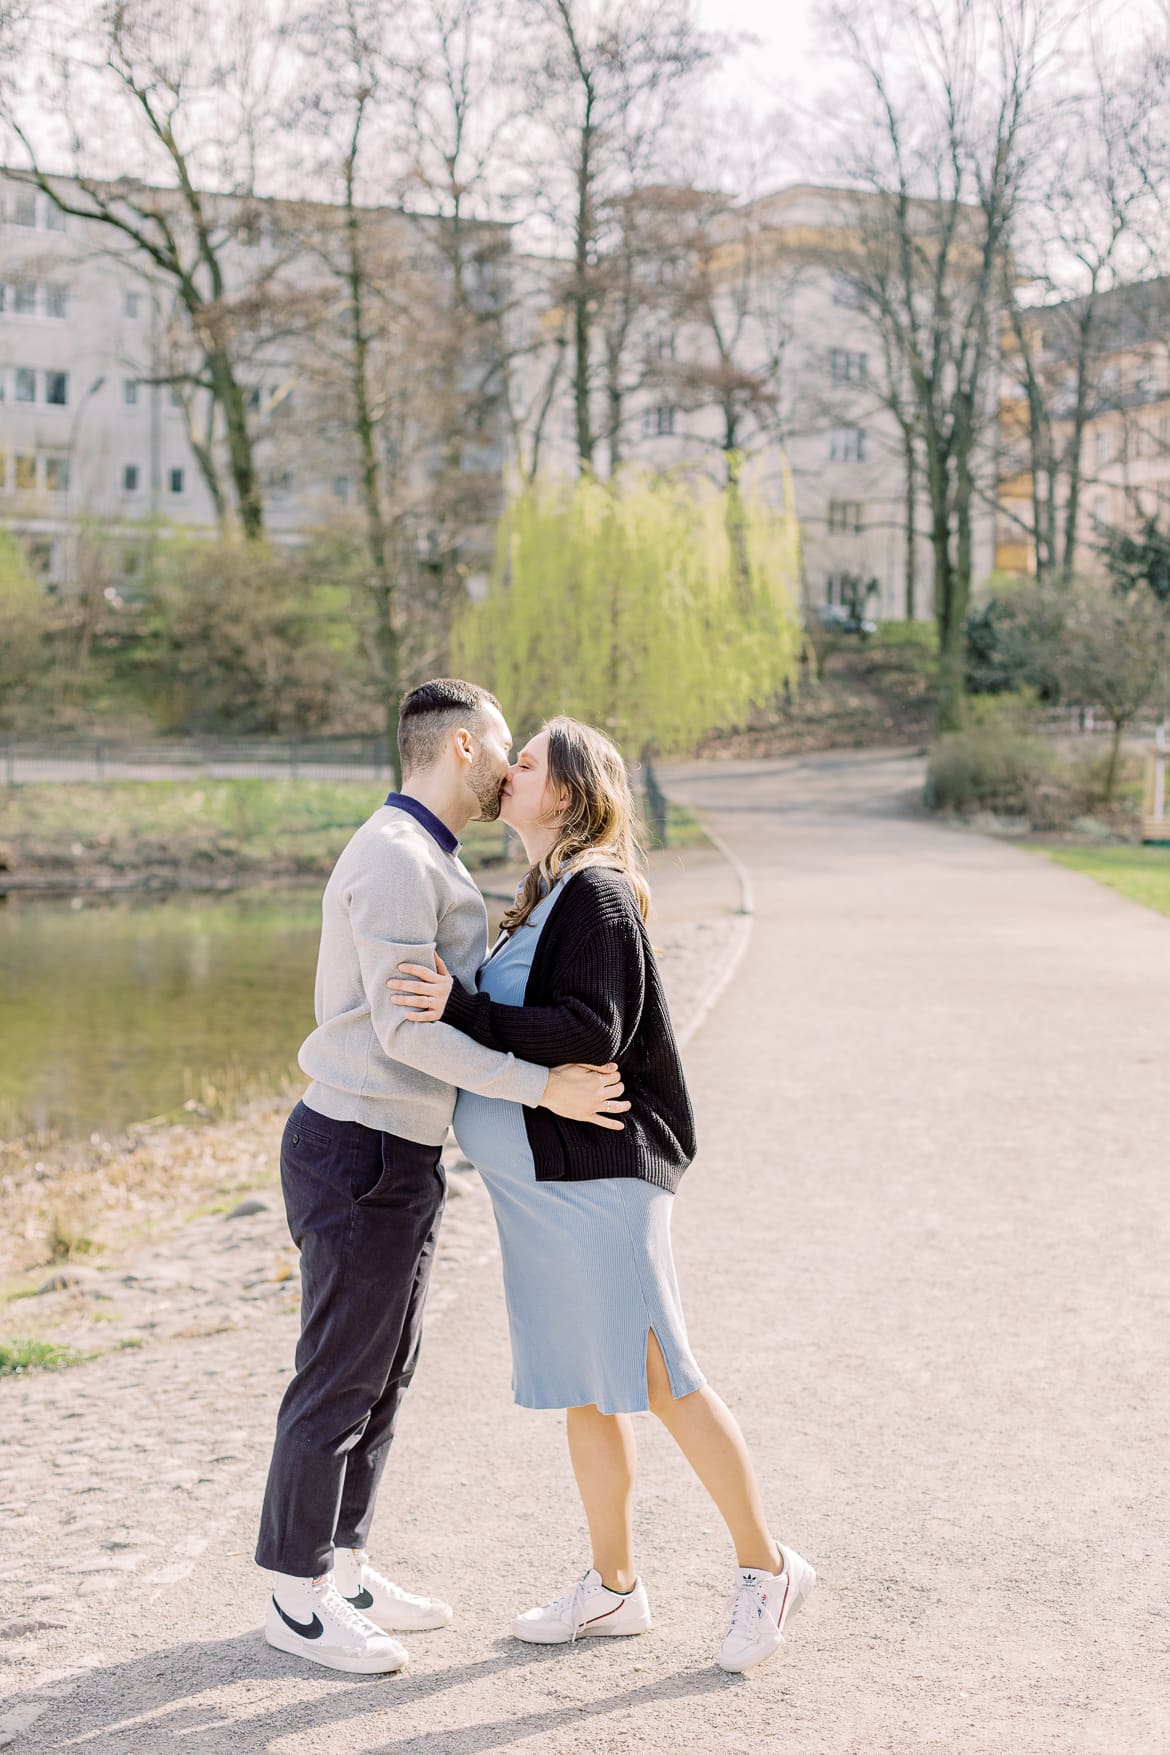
x=996, y=762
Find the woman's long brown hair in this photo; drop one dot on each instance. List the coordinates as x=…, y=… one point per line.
x=599, y=824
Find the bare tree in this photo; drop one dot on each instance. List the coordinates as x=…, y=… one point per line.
x=196, y=97
x=938, y=167
x=606, y=85
x=1088, y=223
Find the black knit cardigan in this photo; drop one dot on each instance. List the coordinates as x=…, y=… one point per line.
x=594, y=995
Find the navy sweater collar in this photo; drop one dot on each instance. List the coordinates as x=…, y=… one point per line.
x=430, y=822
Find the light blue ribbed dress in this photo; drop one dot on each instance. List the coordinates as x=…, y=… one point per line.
x=588, y=1269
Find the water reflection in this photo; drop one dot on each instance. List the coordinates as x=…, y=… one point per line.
x=113, y=1010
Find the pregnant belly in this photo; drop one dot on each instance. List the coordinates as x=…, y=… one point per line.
x=492, y=1134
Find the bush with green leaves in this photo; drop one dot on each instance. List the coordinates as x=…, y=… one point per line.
x=22, y=629
x=628, y=605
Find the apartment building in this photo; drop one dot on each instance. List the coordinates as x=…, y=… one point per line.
x=101, y=411
x=1124, y=451
x=743, y=332
x=778, y=348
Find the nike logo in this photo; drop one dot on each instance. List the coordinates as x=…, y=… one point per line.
x=363, y=1600
x=307, y=1629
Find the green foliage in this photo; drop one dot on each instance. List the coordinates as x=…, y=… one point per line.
x=1140, y=560
x=22, y=627
x=913, y=636
x=626, y=607
x=1013, y=641
x=18, y=1356
x=994, y=763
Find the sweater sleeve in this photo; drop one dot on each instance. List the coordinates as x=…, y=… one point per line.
x=596, y=1003
x=393, y=914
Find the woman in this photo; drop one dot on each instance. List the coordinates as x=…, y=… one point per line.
x=584, y=1219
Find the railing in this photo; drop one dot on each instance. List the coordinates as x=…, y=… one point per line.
x=89, y=759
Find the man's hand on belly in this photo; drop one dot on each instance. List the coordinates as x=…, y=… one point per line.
x=586, y=1093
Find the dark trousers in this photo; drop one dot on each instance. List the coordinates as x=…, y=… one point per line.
x=364, y=1209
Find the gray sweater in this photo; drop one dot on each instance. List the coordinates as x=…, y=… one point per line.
x=395, y=896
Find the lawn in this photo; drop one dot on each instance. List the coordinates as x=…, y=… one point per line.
x=1142, y=873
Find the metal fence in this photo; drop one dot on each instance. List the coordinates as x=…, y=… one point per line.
x=267, y=758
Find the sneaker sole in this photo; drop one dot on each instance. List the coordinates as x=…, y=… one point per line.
x=531, y=1637
x=334, y=1660
x=430, y=1626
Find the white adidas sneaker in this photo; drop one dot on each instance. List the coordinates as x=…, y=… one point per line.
x=761, y=1606
x=311, y=1619
x=586, y=1608
x=381, y=1601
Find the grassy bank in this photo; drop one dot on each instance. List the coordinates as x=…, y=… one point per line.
x=1141, y=873
x=199, y=833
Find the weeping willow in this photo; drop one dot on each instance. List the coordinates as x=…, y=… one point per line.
x=656, y=609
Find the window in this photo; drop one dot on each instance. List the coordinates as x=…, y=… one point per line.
x=24, y=298
x=846, y=291
x=57, y=389
x=24, y=207
x=131, y=305
x=129, y=478
x=663, y=346
x=1102, y=446
x=56, y=301
x=57, y=475
x=54, y=218
x=1164, y=432
x=847, y=445
x=175, y=396
x=175, y=481
x=254, y=397
x=658, y=422
x=847, y=368
x=26, y=473
x=341, y=487
x=1109, y=384
x=129, y=392
x=844, y=515
x=24, y=384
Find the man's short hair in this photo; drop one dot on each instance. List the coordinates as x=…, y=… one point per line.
x=429, y=712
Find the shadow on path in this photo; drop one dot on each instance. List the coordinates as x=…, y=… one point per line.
x=218, y=1697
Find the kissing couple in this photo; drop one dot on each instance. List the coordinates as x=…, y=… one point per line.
x=554, y=1060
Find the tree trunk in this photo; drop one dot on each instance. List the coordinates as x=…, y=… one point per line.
x=1111, y=771
x=582, y=314
x=1077, y=443
x=911, y=530
x=382, y=579
x=230, y=398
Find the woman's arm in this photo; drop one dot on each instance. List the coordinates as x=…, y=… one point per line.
x=595, y=1010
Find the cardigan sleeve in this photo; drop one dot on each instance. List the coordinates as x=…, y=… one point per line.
x=595, y=1007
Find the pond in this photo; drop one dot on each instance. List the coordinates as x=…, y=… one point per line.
x=116, y=1010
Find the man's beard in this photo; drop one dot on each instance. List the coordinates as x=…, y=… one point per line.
x=485, y=783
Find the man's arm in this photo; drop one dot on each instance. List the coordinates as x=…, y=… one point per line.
x=393, y=915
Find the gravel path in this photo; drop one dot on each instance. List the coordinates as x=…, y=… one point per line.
x=924, y=1254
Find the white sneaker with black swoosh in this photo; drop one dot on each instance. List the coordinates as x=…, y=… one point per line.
x=587, y=1608
x=761, y=1606
x=382, y=1601
x=311, y=1619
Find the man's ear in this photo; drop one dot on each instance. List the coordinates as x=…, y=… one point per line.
x=464, y=744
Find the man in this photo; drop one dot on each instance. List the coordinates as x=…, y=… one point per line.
x=362, y=1177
